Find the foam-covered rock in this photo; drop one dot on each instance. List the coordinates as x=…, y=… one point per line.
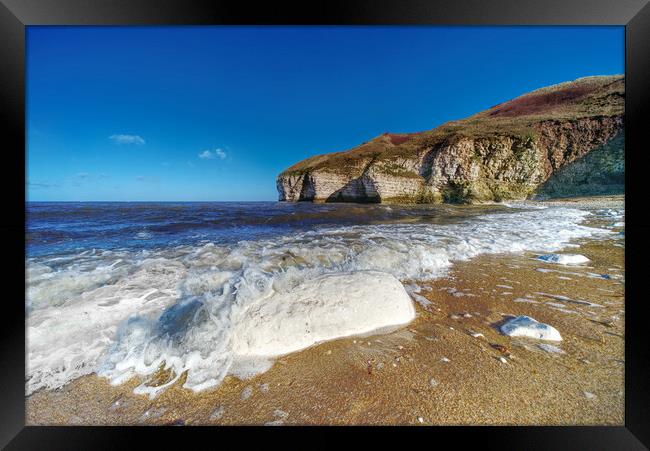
x=525, y=326
x=321, y=309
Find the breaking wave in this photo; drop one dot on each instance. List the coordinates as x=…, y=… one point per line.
x=182, y=308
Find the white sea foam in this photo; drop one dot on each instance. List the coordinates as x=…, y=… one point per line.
x=67, y=332
x=424, y=302
x=526, y=300
x=564, y=259
x=126, y=313
x=550, y=348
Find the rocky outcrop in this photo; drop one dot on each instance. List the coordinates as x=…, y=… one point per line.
x=506, y=152
x=601, y=171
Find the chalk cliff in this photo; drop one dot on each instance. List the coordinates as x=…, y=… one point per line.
x=564, y=139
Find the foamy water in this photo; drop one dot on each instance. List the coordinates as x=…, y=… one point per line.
x=214, y=307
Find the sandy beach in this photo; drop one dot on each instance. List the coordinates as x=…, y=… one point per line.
x=450, y=366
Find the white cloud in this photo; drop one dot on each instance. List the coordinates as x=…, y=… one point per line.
x=127, y=139
x=212, y=154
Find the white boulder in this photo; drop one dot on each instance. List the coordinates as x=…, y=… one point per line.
x=525, y=326
x=325, y=308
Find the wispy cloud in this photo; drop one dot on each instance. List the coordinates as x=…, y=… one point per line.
x=82, y=175
x=127, y=139
x=42, y=185
x=212, y=154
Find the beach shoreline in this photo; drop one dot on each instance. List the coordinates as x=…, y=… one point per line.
x=451, y=365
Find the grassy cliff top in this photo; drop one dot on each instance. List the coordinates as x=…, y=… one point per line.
x=569, y=101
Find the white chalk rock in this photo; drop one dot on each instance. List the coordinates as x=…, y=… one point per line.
x=564, y=259
x=321, y=309
x=525, y=326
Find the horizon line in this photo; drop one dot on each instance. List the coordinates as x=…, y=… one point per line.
x=150, y=201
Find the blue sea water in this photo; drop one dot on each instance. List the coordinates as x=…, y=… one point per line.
x=63, y=227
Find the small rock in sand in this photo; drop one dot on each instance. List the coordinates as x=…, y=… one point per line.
x=280, y=413
x=420, y=420
x=503, y=360
x=433, y=382
x=445, y=359
x=589, y=395
x=217, y=413
x=525, y=326
x=264, y=388
x=246, y=393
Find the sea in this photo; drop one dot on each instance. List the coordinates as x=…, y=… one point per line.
x=124, y=289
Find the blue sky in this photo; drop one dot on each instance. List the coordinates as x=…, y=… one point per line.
x=215, y=113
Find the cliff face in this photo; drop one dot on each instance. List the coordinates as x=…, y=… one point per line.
x=506, y=152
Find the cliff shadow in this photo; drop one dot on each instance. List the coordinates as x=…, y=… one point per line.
x=361, y=190
x=307, y=192
x=599, y=172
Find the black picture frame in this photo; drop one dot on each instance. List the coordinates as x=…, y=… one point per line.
x=15, y=15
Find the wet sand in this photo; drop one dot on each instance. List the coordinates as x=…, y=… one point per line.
x=436, y=370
